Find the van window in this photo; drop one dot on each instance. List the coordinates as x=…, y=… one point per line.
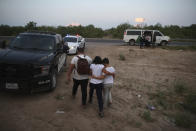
x=157, y=34
x=133, y=32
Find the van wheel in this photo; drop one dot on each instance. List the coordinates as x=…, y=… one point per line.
x=131, y=42
x=53, y=80
x=163, y=43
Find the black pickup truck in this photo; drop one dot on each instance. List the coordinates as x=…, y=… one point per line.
x=32, y=61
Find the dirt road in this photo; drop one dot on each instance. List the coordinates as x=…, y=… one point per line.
x=144, y=71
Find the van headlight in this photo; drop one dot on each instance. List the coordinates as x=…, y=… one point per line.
x=73, y=47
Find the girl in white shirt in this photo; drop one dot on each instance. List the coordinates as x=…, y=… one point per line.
x=108, y=80
x=96, y=70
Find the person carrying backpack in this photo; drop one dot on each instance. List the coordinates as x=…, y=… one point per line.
x=80, y=69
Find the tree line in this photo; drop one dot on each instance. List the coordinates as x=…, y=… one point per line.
x=90, y=31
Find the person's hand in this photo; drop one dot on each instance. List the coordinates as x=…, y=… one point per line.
x=68, y=79
x=93, y=76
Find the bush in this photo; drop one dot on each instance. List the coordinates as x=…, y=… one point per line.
x=147, y=116
x=190, y=102
x=183, y=120
x=161, y=99
x=122, y=57
x=180, y=88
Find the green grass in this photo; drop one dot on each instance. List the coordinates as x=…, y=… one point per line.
x=183, y=120
x=147, y=116
x=161, y=100
x=190, y=102
x=135, y=124
x=59, y=97
x=180, y=88
x=122, y=57
x=185, y=48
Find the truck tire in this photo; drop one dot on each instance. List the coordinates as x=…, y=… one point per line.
x=131, y=42
x=53, y=80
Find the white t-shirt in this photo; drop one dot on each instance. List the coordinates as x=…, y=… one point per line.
x=96, y=71
x=109, y=78
x=75, y=73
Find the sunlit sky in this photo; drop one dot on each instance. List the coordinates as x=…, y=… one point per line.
x=101, y=13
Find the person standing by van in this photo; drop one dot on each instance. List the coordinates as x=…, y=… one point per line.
x=97, y=84
x=140, y=41
x=79, y=78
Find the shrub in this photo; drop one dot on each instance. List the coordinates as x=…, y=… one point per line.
x=161, y=99
x=180, y=87
x=122, y=57
x=147, y=116
x=190, y=102
x=183, y=120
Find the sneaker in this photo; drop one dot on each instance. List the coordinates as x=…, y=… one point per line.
x=101, y=114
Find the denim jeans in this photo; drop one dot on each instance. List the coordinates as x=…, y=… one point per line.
x=107, y=94
x=98, y=88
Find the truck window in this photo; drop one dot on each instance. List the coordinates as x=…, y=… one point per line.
x=133, y=32
x=33, y=42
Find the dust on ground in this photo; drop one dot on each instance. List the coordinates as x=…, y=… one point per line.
x=142, y=73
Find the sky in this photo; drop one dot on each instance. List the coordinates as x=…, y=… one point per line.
x=101, y=13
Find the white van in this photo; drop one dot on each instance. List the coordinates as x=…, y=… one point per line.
x=154, y=36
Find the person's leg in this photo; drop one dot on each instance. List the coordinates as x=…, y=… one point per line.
x=105, y=95
x=91, y=91
x=140, y=45
x=110, y=97
x=99, y=96
x=84, y=84
x=110, y=94
x=75, y=87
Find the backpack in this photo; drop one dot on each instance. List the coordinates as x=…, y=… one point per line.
x=83, y=67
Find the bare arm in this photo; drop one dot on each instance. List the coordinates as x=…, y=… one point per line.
x=71, y=67
x=99, y=77
x=90, y=73
x=107, y=72
x=113, y=75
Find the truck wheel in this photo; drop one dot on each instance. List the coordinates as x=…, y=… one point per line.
x=53, y=80
x=131, y=42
